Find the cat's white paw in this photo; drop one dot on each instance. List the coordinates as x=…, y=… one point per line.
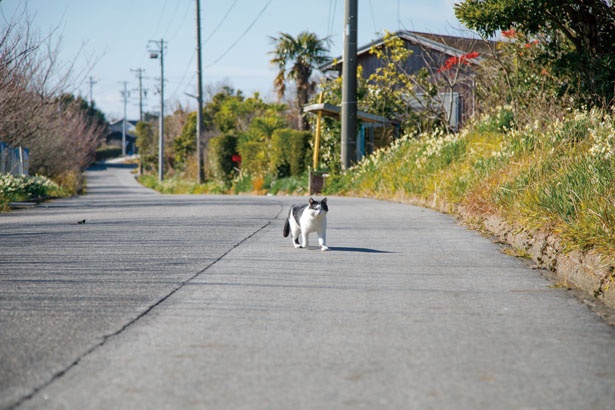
x=324, y=248
x=297, y=246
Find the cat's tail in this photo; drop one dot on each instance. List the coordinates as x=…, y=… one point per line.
x=286, y=230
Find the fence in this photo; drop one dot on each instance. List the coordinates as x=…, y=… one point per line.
x=14, y=161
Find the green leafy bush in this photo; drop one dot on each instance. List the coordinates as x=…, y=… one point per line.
x=254, y=157
x=108, y=151
x=221, y=152
x=290, y=153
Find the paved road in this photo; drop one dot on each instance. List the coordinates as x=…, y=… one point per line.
x=197, y=302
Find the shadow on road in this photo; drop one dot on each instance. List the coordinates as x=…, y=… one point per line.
x=362, y=250
x=101, y=166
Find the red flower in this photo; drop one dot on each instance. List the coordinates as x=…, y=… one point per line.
x=463, y=59
x=532, y=43
x=510, y=33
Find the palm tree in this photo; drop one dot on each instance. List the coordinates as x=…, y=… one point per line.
x=304, y=52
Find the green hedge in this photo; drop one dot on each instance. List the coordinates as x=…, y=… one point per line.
x=108, y=151
x=290, y=153
x=221, y=151
x=254, y=157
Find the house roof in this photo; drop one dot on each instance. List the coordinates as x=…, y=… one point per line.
x=128, y=122
x=119, y=124
x=449, y=45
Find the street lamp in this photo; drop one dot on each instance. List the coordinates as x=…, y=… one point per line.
x=156, y=50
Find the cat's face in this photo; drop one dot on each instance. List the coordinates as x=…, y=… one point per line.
x=318, y=207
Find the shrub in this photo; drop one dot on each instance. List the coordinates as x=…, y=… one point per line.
x=108, y=151
x=254, y=158
x=290, y=153
x=221, y=151
x=24, y=188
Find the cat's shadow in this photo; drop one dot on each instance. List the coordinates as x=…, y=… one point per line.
x=352, y=249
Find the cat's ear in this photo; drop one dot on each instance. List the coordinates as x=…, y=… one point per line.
x=324, y=200
x=311, y=201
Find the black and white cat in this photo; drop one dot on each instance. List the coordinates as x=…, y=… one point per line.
x=305, y=219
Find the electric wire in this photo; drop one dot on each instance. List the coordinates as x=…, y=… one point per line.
x=371, y=9
x=171, y=20
x=162, y=15
x=191, y=61
x=215, y=30
x=331, y=17
x=180, y=25
x=214, y=62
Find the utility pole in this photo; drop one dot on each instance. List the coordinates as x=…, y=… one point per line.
x=139, y=73
x=349, y=83
x=154, y=52
x=125, y=95
x=199, y=108
x=92, y=82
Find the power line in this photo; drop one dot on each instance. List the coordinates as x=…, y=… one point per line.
x=240, y=37
x=181, y=25
x=331, y=17
x=171, y=20
x=188, y=66
x=162, y=16
x=221, y=22
x=371, y=9
x=183, y=78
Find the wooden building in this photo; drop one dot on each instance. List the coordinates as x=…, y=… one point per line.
x=433, y=52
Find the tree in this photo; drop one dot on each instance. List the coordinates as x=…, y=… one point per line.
x=580, y=35
x=62, y=132
x=146, y=142
x=302, y=53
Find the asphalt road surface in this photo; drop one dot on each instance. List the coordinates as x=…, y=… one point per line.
x=198, y=302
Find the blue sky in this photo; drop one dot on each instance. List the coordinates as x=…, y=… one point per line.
x=106, y=39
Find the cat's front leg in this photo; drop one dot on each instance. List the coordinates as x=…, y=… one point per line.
x=322, y=241
x=296, y=242
x=304, y=240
